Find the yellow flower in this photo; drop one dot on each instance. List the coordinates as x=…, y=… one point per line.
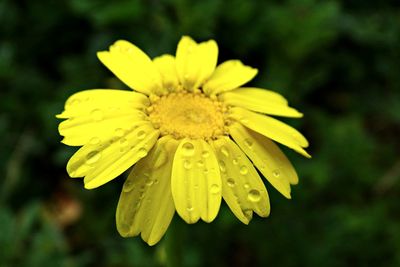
x=191, y=133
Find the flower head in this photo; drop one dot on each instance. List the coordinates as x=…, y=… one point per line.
x=191, y=132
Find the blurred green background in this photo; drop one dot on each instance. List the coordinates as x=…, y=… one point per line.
x=337, y=61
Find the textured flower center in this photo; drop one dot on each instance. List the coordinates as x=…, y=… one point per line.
x=186, y=114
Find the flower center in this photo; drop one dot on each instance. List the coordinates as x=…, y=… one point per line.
x=186, y=114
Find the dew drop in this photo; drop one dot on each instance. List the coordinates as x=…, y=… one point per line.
x=160, y=160
x=214, y=189
x=222, y=166
x=244, y=120
x=230, y=182
x=276, y=173
x=187, y=149
x=200, y=163
x=74, y=102
x=205, y=154
x=224, y=151
x=248, y=213
x=244, y=170
x=189, y=208
x=142, y=152
x=235, y=161
x=94, y=141
x=187, y=164
x=156, y=181
x=254, y=195
x=123, y=142
x=93, y=157
x=119, y=132
x=246, y=185
x=128, y=186
x=97, y=115
x=141, y=134
x=248, y=142
x=149, y=182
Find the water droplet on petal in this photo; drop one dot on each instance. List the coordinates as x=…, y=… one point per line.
x=246, y=185
x=248, y=213
x=141, y=134
x=97, y=115
x=205, y=154
x=187, y=164
x=149, y=182
x=244, y=170
x=248, y=142
x=189, y=208
x=244, y=120
x=200, y=163
x=215, y=189
x=188, y=149
x=93, y=157
x=74, y=102
x=224, y=151
x=276, y=173
x=235, y=161
x=254, y=195
x=156, y=181
x=123, y=142
x=94, y=141
x=142, y=152
x=222, y=166
x=160, y=160
x=230, y=182
x=119, y=132
x=128, y=186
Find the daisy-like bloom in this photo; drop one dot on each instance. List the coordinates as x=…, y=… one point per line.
x=191, y=132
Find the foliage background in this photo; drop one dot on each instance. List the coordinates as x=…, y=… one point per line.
x=338, y=61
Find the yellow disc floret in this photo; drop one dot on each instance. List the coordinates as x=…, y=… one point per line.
x=186, y=114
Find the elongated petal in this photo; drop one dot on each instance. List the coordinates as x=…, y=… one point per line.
x=146, y=205
x=258, y=93
x=167, y=68
x=267, y=157
x=106, y=159
x=272, y=128
x=228, y=76
x=196, y=181
x=195, y=62
x=133, y=67
x=242, y=188
x=259, y=100
x=99, y=114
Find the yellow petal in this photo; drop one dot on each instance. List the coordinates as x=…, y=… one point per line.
x=146, y=205
x=242, y=188
x=195, y=62
x=228, y=76
x=196, y=181
x=104, y=160
x=272, y=128
x=99, y=114
x=259, y=100
x=167, y=68
x=267, y=157
x=133, y=67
